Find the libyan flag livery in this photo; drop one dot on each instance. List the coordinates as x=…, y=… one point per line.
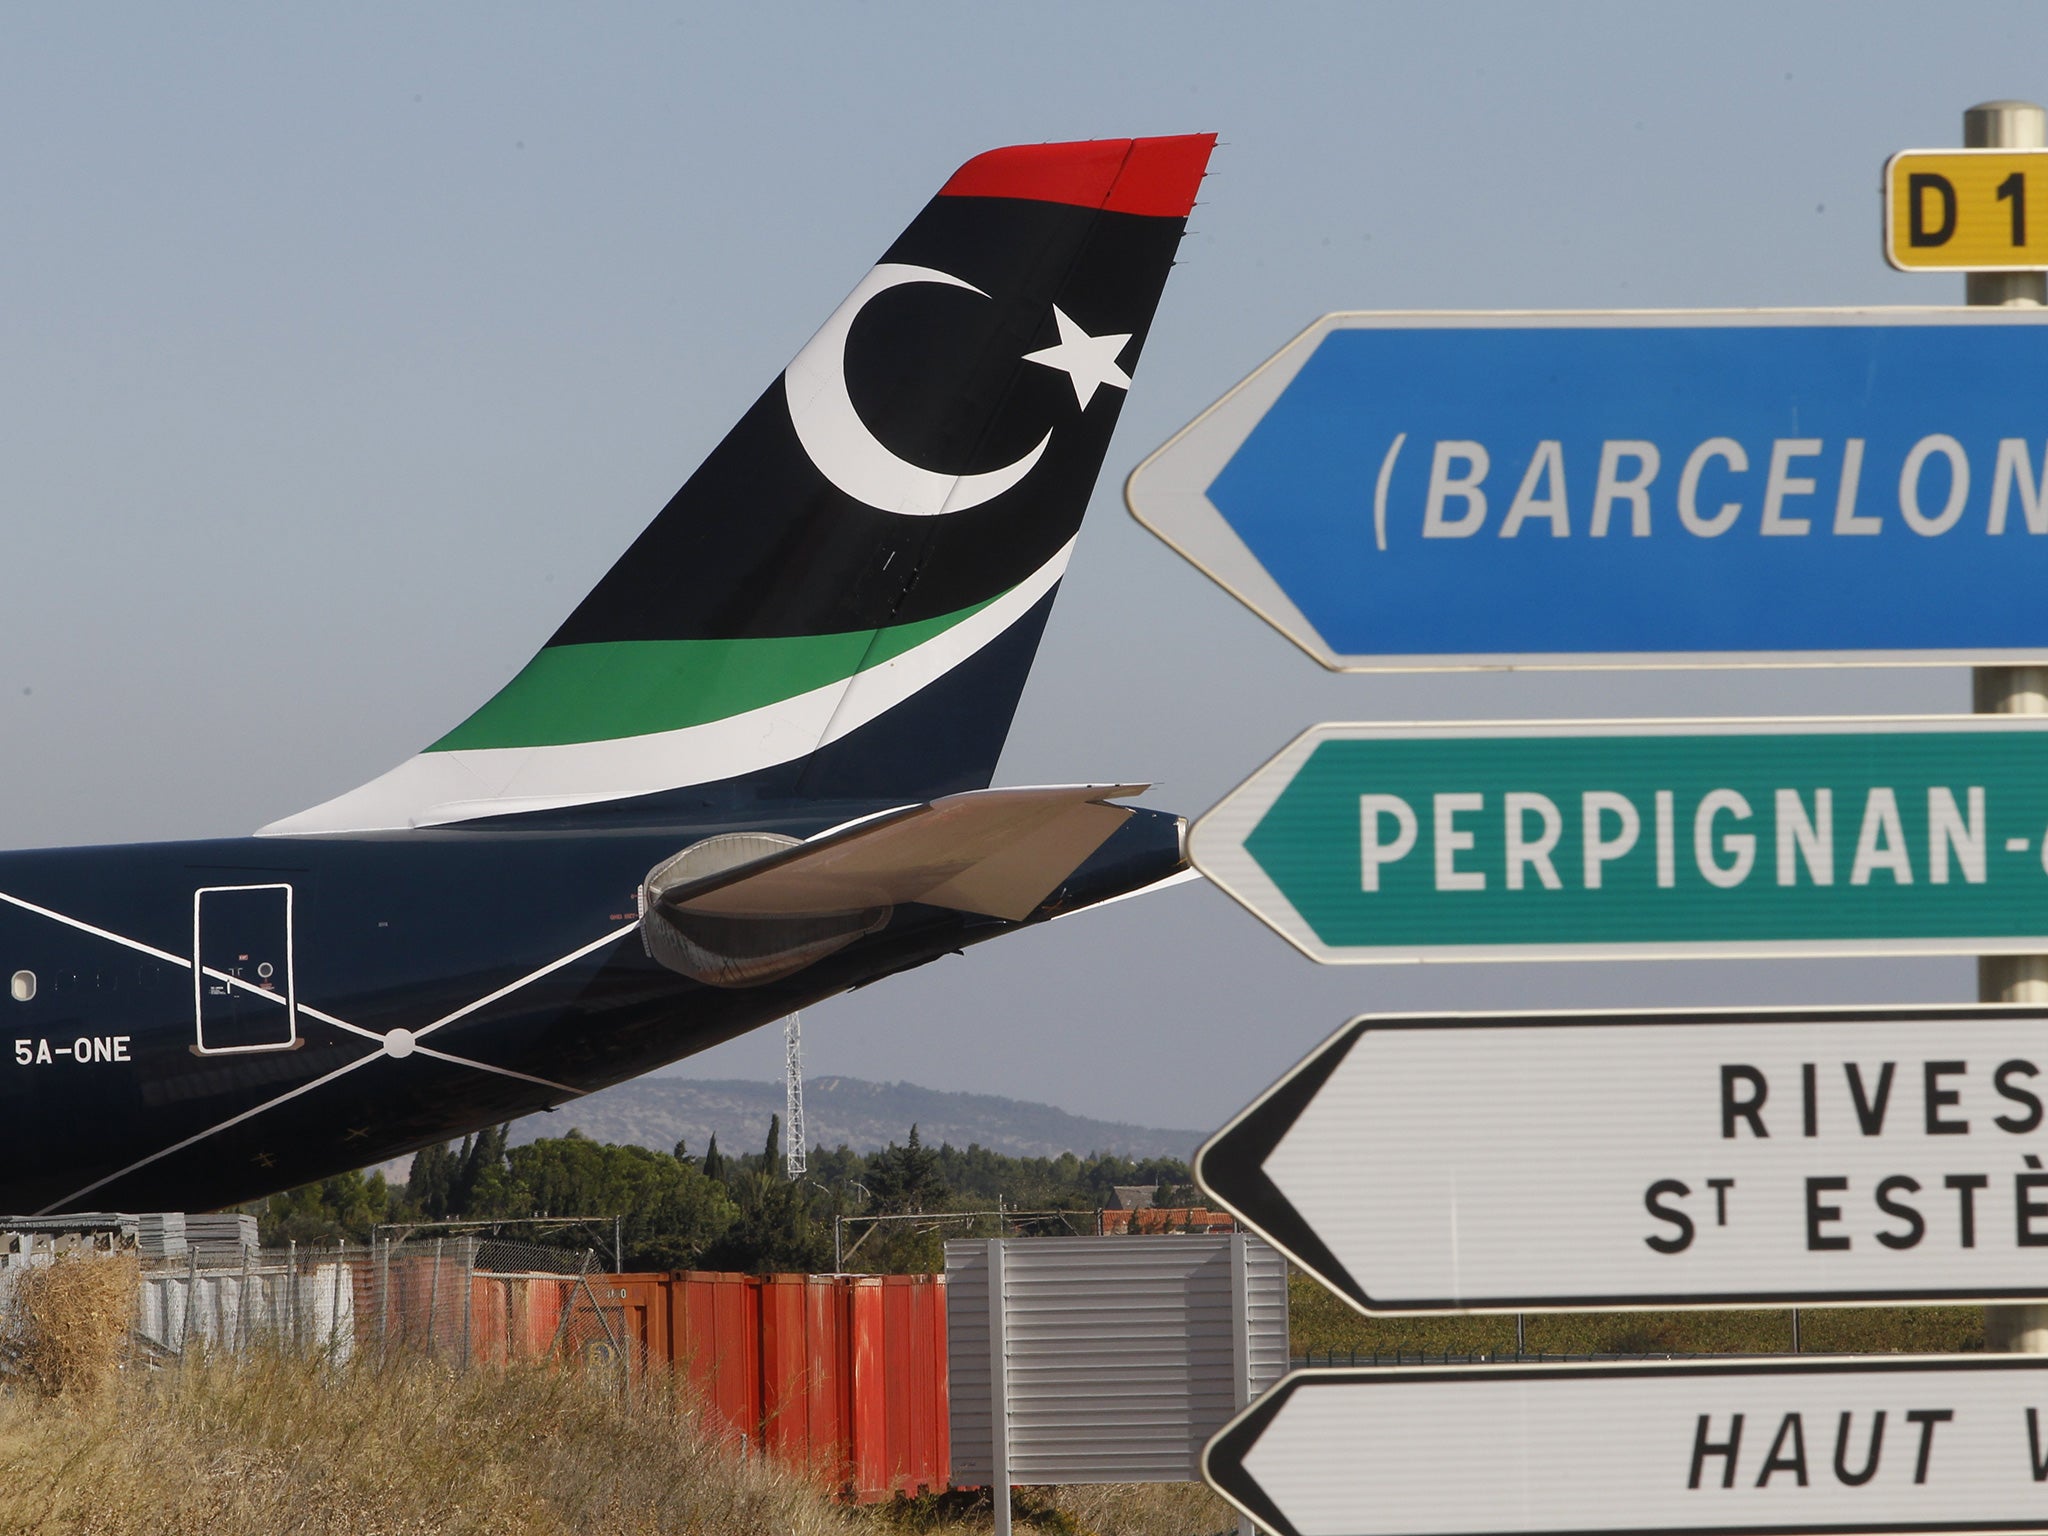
x=844, y=600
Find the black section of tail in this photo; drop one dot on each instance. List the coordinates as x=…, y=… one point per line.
x=798, y=524
x=760, y=542
x=944, y=738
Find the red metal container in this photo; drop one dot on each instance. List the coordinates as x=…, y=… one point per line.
x=715, y=1344
x=804, y=1417
x=901, y=1439
x=844, y=1375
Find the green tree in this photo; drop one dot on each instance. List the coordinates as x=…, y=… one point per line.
x=342, y=1209
x=730, y=1212
x=778, y=1229
x=483, y=1155
x=672, y=1212
x=906, y=1179
x=432, y=1182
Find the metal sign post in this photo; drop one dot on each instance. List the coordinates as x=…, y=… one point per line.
x=1724, y=1448
x=2020, y=126
x=999, y=1388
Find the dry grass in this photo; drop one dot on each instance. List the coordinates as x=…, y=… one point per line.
x=1141, y=1509
x=266, y=1445
x=1097, y=1509
x=68, y=1324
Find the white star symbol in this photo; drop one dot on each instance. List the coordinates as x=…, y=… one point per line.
x=1089, y=361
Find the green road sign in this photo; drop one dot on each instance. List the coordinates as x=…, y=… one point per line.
x=1644, y=839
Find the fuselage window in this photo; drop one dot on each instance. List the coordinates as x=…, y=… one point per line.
x=23, y=986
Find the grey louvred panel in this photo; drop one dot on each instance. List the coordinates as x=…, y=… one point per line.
x=1120, y=1354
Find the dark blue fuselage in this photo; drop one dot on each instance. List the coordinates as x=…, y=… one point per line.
x=428, y=983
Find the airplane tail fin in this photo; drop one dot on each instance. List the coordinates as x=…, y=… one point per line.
x=844, y=600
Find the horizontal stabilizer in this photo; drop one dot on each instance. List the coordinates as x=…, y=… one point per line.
x=996, y=852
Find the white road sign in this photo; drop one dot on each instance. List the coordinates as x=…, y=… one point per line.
x=1789, y=1446
x=1706, y=1158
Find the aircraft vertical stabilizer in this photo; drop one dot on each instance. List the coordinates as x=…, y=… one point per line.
x=844, y=600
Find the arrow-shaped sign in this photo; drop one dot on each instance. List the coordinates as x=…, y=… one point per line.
x=1644, y=839
x=1531, y=1162
x=1598, y=489
x=1793, y=1447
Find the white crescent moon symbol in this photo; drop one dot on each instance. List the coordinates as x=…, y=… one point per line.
x=839, y=442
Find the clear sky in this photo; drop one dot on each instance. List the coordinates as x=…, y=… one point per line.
x=342, y=350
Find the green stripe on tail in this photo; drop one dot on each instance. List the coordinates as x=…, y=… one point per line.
x=608, y=690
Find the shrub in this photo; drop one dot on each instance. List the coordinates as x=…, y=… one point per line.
x=67, y=1323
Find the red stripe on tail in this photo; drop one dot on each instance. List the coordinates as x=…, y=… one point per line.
x=1157, y=177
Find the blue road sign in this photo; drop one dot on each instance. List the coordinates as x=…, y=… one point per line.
x=1757, y=487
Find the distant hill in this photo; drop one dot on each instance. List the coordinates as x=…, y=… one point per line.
x=660, y=1111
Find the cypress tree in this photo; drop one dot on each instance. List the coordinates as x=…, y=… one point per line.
x=432, y=1181
x=484, y=1151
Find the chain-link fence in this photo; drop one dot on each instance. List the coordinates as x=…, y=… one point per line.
x=462, y=1299
x=527, y=1301
x=225, y=1302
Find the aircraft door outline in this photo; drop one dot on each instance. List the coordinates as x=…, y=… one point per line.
x=242, y=970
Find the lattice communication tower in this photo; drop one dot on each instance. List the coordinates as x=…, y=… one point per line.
x=793, y=1139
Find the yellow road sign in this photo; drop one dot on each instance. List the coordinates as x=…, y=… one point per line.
x=1966, y=210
